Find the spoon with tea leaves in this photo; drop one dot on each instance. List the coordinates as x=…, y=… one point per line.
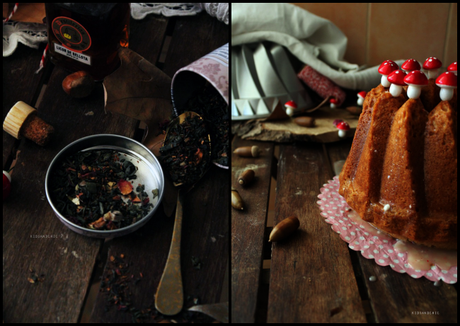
x=186, y=155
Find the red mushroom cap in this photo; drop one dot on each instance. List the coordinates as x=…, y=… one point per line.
x=397, y=77
x=362, y=94
x=336, y=122
x=343, y=126
x=333, y=101
x=387, y=67
x=416, y=77
x=410, y=64
x=452, y=67
x=291, y=104
x=447, y=79
x=432, y=63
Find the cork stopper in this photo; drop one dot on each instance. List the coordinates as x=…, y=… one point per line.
x=16, y=117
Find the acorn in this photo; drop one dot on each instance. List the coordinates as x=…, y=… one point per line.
x=246, y=177
x=237, y=202
x=305, y=121
x=248, y=151
x=356, y=110
x=79, y=84
x=284, y=228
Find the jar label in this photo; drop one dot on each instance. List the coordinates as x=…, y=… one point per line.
x=71, y=34
x=86, y=59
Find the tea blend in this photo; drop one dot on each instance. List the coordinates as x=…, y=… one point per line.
x=212, y=107
x=93, y=189
x=185, y=152
x=120, y=284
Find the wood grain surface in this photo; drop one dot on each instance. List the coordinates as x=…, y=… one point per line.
x=248, y=227
x=35, y=242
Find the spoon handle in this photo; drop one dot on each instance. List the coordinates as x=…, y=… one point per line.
x=169, y=298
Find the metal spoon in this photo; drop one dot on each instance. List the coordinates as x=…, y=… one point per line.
x=169, y=298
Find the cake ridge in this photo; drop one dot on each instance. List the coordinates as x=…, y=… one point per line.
x=413, y=143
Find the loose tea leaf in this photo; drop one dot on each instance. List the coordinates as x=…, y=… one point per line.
x=185, y=151
x=212, y=107
x=93, y=189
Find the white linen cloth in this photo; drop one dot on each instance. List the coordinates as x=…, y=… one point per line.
x=313, y=40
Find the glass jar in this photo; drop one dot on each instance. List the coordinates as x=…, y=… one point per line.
x=87, y=36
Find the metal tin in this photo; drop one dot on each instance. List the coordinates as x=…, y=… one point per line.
x=211, y=68
x=149, y=173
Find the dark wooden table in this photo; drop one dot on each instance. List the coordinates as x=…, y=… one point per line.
x=314, y=276
x=69, y=265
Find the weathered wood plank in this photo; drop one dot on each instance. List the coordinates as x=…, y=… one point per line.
x=205, y=237
x=205, y=234
x=192, y=38
x=69, y=263
x=311, y=276
x=399, y=298
x=20, y=83
x=248, y=227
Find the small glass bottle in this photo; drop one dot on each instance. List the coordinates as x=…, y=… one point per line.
x=87, y=36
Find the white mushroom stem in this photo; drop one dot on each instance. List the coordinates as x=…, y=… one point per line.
x=289, y=111
x=446, y=93
x=395, y=90
x=413, y=91
x=384, y=81
x=360, y=100
x=342, y=133
x=333, y=106
x=432, y=73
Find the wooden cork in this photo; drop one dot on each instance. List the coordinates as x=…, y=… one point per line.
x=22, y=121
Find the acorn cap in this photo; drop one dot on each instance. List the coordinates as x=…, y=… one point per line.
x=16, y=117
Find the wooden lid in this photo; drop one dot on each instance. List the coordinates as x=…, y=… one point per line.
x=16, y=117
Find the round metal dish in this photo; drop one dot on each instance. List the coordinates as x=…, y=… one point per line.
x=149, y=173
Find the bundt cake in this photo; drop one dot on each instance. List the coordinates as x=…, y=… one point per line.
x=401, y=172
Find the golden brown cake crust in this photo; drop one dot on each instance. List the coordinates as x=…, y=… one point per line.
x=401, y=172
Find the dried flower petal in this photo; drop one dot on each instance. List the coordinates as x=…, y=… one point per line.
x=99, y=224
x=125, y=187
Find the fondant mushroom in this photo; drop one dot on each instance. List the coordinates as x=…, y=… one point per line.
x=385, y=69
x=448, y=82
x=333, y=102
x=415, y=80
x=431, y=65
x=343, y=127
x=361, y=96
x=396, y=78
x=290, y=107
x=410, y=65
x=336, y=122
x=453, y=68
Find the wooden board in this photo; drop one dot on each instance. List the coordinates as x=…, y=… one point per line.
x=20, y=83
x=281, y=131
x=248, y=227
x=205, y=229
x=311, y=276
